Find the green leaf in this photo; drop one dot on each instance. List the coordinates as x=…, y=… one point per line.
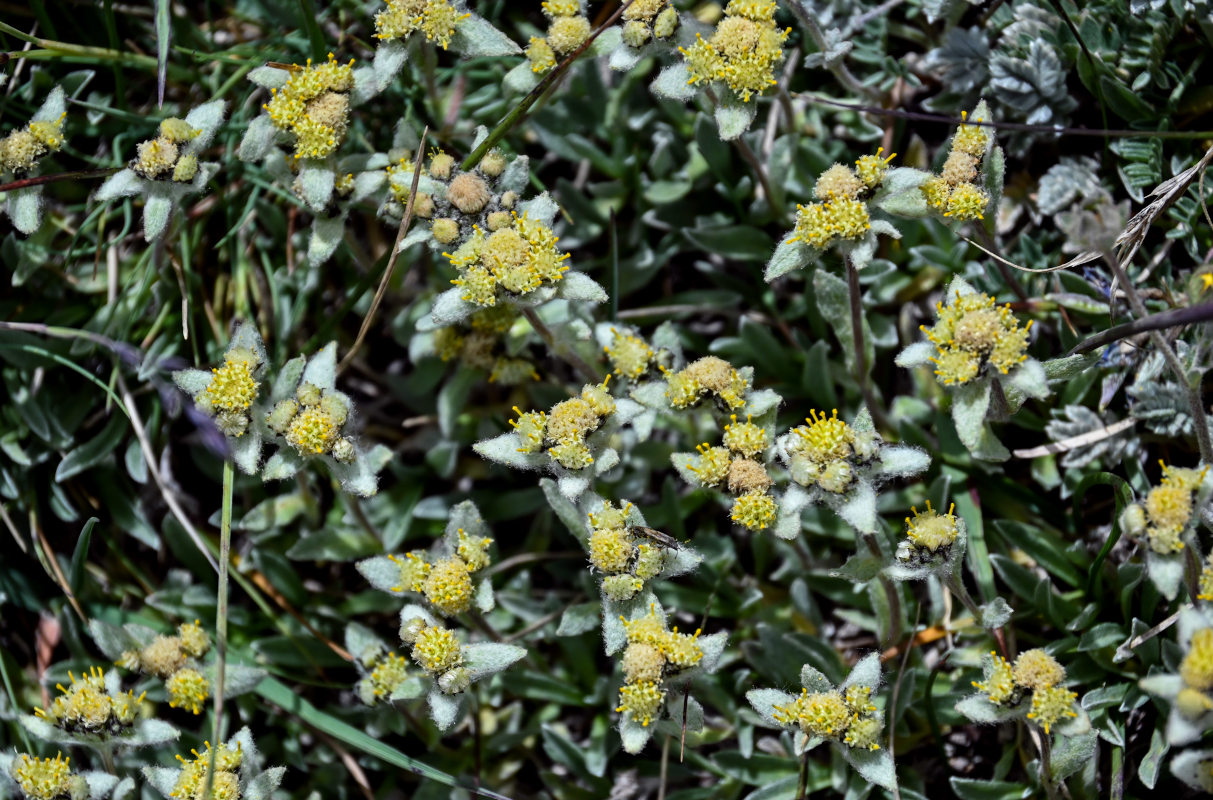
x=971, y=789
x=80, y=556
x=94, y=451
x=834, y=304
x=738, y=242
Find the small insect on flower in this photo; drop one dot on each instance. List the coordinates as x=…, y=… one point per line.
x=656, y=536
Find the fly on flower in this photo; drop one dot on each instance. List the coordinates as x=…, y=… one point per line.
x=655, y=536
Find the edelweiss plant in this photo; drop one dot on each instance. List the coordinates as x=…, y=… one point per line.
x=841, y=465
x=53, y=778
x=623, y=552
x=446, y=583
x=1165, y=521
x=654, y=657
x=974, y=162
x=979, y=351
x=20, y=153
x=738, y=60
x=167, y=168
x=739, y=465
x=1190, y=688
x=843, y=715
x=232, y=771
x=1032, y=688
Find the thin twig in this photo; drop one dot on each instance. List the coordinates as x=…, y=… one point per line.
x=391, y=261
x=1164, y=319
x=41, y=180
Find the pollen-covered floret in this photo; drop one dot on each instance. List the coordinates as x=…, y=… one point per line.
x=1051, y=705
x=972, y=332
x=621, y=587
x=22, y=148
x=387, y=676
x=712, y=464
x=474, y=550
x=641, y=701
x=999, y=684
x=188, y=689
x=823, y=714
x=1035, y=669
x=871, y=169
x=232, y=386
x=824, y=439
x=1196, y=669
x=742, y=52
x=311, y=432
x=744, y=438
x=519, y=259
x=437, y=649
x=642, y=662
x=162, y=656
x=967, y=202
x=566, y=34
x=531, y=428
x=413, y=571
x=437, y=19
x=754, y=510
x=971, y=139
x=862, y=732
x=629, y=355
x=541, y=55
x=313, y=106
x=611, y=549
x=1168, y=508
x=650, y=561
x=682, y=650
x=46, y=778
x=448, y=587
x=87, y=706
x=932, y=531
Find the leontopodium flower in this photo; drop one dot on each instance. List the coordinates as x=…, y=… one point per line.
x=840, y=464
x=627, y=554
x=654, y=655
x=313, y=106
x=446, y=577
x=958, y=191
x=166, y=168
x=707, y=376
x=312, y=420
x=52, y=778
x=1190, y=688
x=165, y=655
x=450, y=665
x=975, y=348
x=840, y=217
x=437, y=19
x=1165, y=521
x=20, y=153
x=845, y=716
x=629, y=354
x=737, y=61
x=228, y=394
x=645, y=21
x=568, y=440
x=739, y=466
x=233, y=770
x=568, y=28
x=1031, y=687
x=513, y=260
x=92, y=704
x=934, y=545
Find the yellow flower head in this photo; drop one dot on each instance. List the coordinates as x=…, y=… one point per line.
x=611, y=549
x=541, y=55
x=1051, y=705
x=642, y=663
x=745, y=438
x=609, y=516
x=162, y=656
x=474, y=550
x=194, y=640
x=742, y=52
x=824, y=439
x=999, y=686
x=46, y=778
x=312, y=432
x=712, y=464
x=1035, y=669
x=641, y=701
x=437, y=19
x=437, y=649
x=932, y=530
x=232, y=386
x=862, y=732
x=971, y=332
x=823, y=714
x=838, y=182
x=649, y=629
x=967, y=202
x=754, y=510
x=188, y=689
x=413, y=571
x=1197, y=667
x=871, y=169
x=629, y=355
x=448, y=587
x=621, y=587
x=747, y=475
x=972, y=139
x=313, y=106
x=682, y=650
x=531, y=428
x=388, y=675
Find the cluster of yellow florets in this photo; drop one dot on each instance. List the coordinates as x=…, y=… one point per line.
x=313, y=422
x=1206, y=579
x=1167, y=512
x=437, y=19
x=1196, y=670
x=439, y=652
x=626, y=561
x=564, y=428
x=971, y=333
x=827, y=452
x=225, y=782
x=447, y=582
x=231, y=392
x=48, y=778
x=314, y=106
x=517, y=259
x=388, y=673
x=928, y=534
x=645, y=20
x=1034, y=671
x=736, y=465
x=170, y=658
x=742, y=52
x=568, y=29
x=653, y=655
x=841, y=211
x=467, y=198
x=710, y=374
x=87, y=707
x=164, y=156
x=954, y=191
x=848, y=717
x=629, y=355
x=481, y=344
x=21, y=149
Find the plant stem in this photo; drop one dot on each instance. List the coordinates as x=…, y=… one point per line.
x=665, y=767
x=1195, y=405
x=890, y=590
x=567, y=354
x=857, y=341
x=42, y=180
x=1174, y=318
x=802, y=786
x=225, y=547
x=1046, y=768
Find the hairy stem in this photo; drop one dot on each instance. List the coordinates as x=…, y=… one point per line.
x=802, y=786
x=225, y=547
x=857, y=341
x=890, y=590
x=574, y=360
